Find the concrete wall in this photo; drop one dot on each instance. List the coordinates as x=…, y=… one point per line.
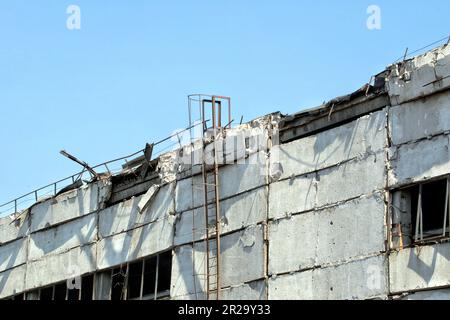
x=243, y=248
x=305, y=220
x=419, y=126
x=321, y=239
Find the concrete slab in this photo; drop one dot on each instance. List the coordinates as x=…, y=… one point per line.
x=420, y=268
x=420, y=77
x=63, y=237
x=252, y=291
x=419, y=161
x=13, y=254
x=189, y=194
x=60, y=267
x=328, y=148
x=70, y=205
x=188, y=271
x=233, y=179
x=125, y=215
x=236, y=213
x=137, y=243
x=244, y=248
x=419, y=119
x=351, y=180
x=440, y=294
x=12, y=281
x=361, y=279
x=302, y=189
x=10, y=231
x=349, y=231
x=243, y=177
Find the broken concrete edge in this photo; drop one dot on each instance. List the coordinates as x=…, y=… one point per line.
x=166, y=165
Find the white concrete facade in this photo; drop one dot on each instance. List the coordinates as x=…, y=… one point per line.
x=319, y=229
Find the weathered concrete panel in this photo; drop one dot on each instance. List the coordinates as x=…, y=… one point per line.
x=189, y=193
x=420, y=268
x=328, y=148
x=63, y=237
x=188, y=271
x=419, y=77
x=125, y=215
x=292, y=196
x=251, y=291
x=419, y=161
x=242, y=177
x=360, y=279
x=236, y=213
x=67, y=206
x=12, y=281
x=354, y=229
x=351, y=179
x=420, y=119
x=55, y=268
x=13, y=254
x=233, y=179
x=440, y=294
x=10, y=231
x=137, y=243
x=244, y=248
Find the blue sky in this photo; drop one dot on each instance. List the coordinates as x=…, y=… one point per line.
x=122, y=80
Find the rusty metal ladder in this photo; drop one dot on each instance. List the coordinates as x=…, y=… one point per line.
x=212, y=225
x=211, y=185
x=211, y=188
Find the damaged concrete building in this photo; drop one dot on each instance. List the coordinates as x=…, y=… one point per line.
x=346, y=201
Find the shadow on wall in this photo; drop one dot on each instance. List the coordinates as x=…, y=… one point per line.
x=11, y=259
x=423, y=269
x=345, y=139
x=43, y=221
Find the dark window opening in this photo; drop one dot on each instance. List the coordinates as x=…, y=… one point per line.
x=32, y=295
x=118, y=283
x=60, y=292
x=134, y=280
x=19, y=297
x=87, y=287
x=164, y=271
x=73, y=294
x=149, y=277
x=46, y=294
x=420, y=213
x=433, y=207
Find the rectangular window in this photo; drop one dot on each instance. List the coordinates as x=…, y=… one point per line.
x=87, y=287
x=102, y=285
x=134, y=280
x=420, y=213
x=118, y=283
x=60, y=291
x=148, y=290
x=46, y=294
x=164, y=272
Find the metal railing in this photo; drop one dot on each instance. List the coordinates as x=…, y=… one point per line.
x=26, y=200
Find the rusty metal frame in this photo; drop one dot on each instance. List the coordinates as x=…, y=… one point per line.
x=418, y=235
